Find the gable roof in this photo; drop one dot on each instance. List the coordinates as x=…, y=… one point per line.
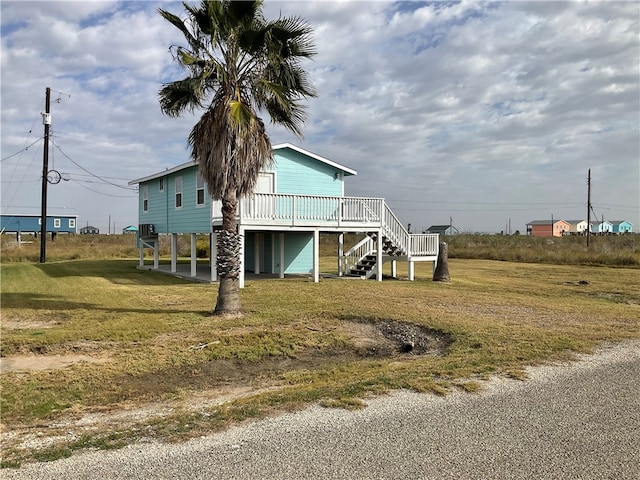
x=167, y=171
x=548, y=222
x=441, y=228
x=280, y=146
x=295, y=148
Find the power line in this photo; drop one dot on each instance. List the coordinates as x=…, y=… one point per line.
x=486, y=203
x=87, y=175
x=21, y=150
x=90, y=173
x=101, y=193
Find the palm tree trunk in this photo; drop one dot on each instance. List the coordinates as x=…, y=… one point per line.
x=228, y=260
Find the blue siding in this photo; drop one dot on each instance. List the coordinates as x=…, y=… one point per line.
x=622, y=227
x=295, y=173
x=298, y=252
x=303, y=175
x=162, y=211
x=31, y=223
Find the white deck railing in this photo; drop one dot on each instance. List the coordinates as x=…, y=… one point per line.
x=309, y=210
x=276, y=209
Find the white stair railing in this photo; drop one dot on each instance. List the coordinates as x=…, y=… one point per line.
x=355, y=254
x=393, y=229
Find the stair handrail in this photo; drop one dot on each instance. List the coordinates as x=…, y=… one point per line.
x=394, y=230
x=356, y=253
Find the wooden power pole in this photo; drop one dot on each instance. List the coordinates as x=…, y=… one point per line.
x=46, y=120
x=588, y=206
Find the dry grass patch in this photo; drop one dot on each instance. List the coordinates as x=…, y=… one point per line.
x=173, y=371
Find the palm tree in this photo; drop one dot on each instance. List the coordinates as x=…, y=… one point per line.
x=237, y=64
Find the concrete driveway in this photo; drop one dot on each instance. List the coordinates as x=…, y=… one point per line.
x=580, y=421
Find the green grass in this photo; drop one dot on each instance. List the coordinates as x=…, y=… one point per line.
x=294, y=346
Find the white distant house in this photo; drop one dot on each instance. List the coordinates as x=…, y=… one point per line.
x=577, y=227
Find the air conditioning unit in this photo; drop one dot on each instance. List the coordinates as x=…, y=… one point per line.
x=146, y=230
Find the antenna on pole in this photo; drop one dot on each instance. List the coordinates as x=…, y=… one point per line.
x=46, y=120
x=588, y=206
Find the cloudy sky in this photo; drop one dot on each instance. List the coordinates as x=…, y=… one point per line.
x=486, y=113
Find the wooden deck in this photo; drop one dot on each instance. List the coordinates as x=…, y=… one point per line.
x=269, y=211
x=385, y=238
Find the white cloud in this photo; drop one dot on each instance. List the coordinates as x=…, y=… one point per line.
x=480, y=111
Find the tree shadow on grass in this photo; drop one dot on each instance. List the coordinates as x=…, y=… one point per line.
x=50, y=302
x=116, y=271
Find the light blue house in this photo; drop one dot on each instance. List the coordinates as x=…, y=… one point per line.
x=621, y=226
x=602, y=227
x=300, y=196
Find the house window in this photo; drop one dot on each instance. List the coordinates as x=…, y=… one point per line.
x=56, y=223
x=72, y=223
x=199, y=191
x=162, y=184
x=145, y=198
x=178, y=192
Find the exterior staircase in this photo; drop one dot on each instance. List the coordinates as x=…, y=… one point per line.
x=268, y=211
x=366, y=265
x=397, y=244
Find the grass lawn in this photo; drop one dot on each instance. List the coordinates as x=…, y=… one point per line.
x=147, y=342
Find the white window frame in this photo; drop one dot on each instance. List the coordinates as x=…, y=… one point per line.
x=200, y=188
x=178, y=200
x=145, y=198
x=72, y=223
x=57, y=223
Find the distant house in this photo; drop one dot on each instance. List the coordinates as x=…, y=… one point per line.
x=296, y=199
x=577, y=227
x=89, y=230
x=602, y=227
x=443, y=230
x=19, y=223
x=621, y=226
x=130, y=230
x=545, y=228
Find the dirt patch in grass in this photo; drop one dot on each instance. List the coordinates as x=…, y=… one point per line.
x=367, y=339
x=25, y=363
x=389, y=337
x=213, y=383
x=27, y=324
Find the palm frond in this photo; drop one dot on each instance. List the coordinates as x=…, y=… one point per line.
x=181, y=95
x=241, y=64
x=179, y=24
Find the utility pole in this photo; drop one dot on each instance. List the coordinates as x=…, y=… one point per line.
x=588, y=206
x=46, y=120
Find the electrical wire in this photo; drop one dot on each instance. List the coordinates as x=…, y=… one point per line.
x=124, y=187
x=21, y=150
x=102, y=193
x=431, y=202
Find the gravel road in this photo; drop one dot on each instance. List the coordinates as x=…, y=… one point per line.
x=577, y=421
